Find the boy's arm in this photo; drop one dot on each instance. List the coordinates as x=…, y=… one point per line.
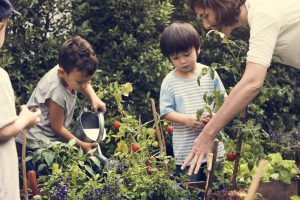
x=186, y=119
x=167, y=109
x=56, y=115
x=91, y=95
x=26, y=119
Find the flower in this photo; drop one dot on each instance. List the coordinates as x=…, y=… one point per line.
x=122, y=147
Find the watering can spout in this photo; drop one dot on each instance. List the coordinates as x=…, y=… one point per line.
x=100, y=155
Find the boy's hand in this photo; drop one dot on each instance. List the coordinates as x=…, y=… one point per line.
x=32, y=117
x=98, y=104
x=192, y=122
x=87, y=147
x=205, y=119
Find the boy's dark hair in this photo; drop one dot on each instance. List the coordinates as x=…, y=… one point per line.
x=6, y=9
x=179, y=37
x=227, y=11
x=77, y=53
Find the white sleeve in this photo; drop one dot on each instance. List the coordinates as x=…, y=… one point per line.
x=264, y=31
x=7, y=100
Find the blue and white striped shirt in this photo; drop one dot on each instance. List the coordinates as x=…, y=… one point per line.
x=185, y=96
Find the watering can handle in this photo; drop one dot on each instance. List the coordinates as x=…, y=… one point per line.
x=101, y=135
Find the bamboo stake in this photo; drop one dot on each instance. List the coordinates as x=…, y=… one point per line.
x=24, y=141
x=157, y=130
x=255, y=181
x=211, y=168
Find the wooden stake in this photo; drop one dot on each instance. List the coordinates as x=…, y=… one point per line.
x=157, y=130
x=256, y=179
x=239, y=144
x=211, y=169
x=24, y=141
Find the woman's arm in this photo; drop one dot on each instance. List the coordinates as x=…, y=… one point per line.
x=240, y=96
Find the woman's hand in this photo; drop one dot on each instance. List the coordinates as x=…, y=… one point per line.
x=201, y=149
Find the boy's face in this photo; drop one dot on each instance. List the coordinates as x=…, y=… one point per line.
x=185, y=61
x=3, y=25
x=75, y=80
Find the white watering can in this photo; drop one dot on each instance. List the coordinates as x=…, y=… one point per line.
x=90, y=128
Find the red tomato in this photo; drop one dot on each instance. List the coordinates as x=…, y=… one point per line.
x=170, y=129
x=135, y=147
x=231, y=156
x=116, y=125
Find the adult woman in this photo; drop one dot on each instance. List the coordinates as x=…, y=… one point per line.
x=274, y=33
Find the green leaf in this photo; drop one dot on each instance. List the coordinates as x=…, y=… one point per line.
x=41, y=167
x=49, y=157
x=208, y=109
x=199, y=113
x=89, y=169
x=250, y=165
x=199, y=80
x=127, y=89
x=209, y=99
x=212, y=73
x=72, y=142
x=95, y=160
x=80, y=152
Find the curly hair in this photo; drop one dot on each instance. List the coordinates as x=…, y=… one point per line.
x=77, y=53
x=227, y=11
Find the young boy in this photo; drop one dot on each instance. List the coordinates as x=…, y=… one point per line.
x=180, y=95
x=56, y=92
x=10, y=123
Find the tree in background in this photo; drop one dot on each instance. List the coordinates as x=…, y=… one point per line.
x=126, y=38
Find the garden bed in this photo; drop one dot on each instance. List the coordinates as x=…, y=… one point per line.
x=276, y=190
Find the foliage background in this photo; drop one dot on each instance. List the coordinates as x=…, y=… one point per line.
x=125, y=34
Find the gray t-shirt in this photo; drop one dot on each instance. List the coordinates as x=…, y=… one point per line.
x=9, y=176
x=49, y=87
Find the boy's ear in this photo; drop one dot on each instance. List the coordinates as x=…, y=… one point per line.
x=198, y=51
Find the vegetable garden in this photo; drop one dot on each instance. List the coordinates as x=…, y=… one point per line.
x=125, y=34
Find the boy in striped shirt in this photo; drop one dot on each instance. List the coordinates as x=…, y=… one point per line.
x=180, y=95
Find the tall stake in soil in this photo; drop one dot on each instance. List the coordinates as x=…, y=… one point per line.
x=24, y=133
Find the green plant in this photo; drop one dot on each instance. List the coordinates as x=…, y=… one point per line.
x=33, y=40
x=294, y=197
x=279, y=169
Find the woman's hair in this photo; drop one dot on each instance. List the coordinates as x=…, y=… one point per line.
x=179, y=37
x=227, y=11
x=77, y=53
